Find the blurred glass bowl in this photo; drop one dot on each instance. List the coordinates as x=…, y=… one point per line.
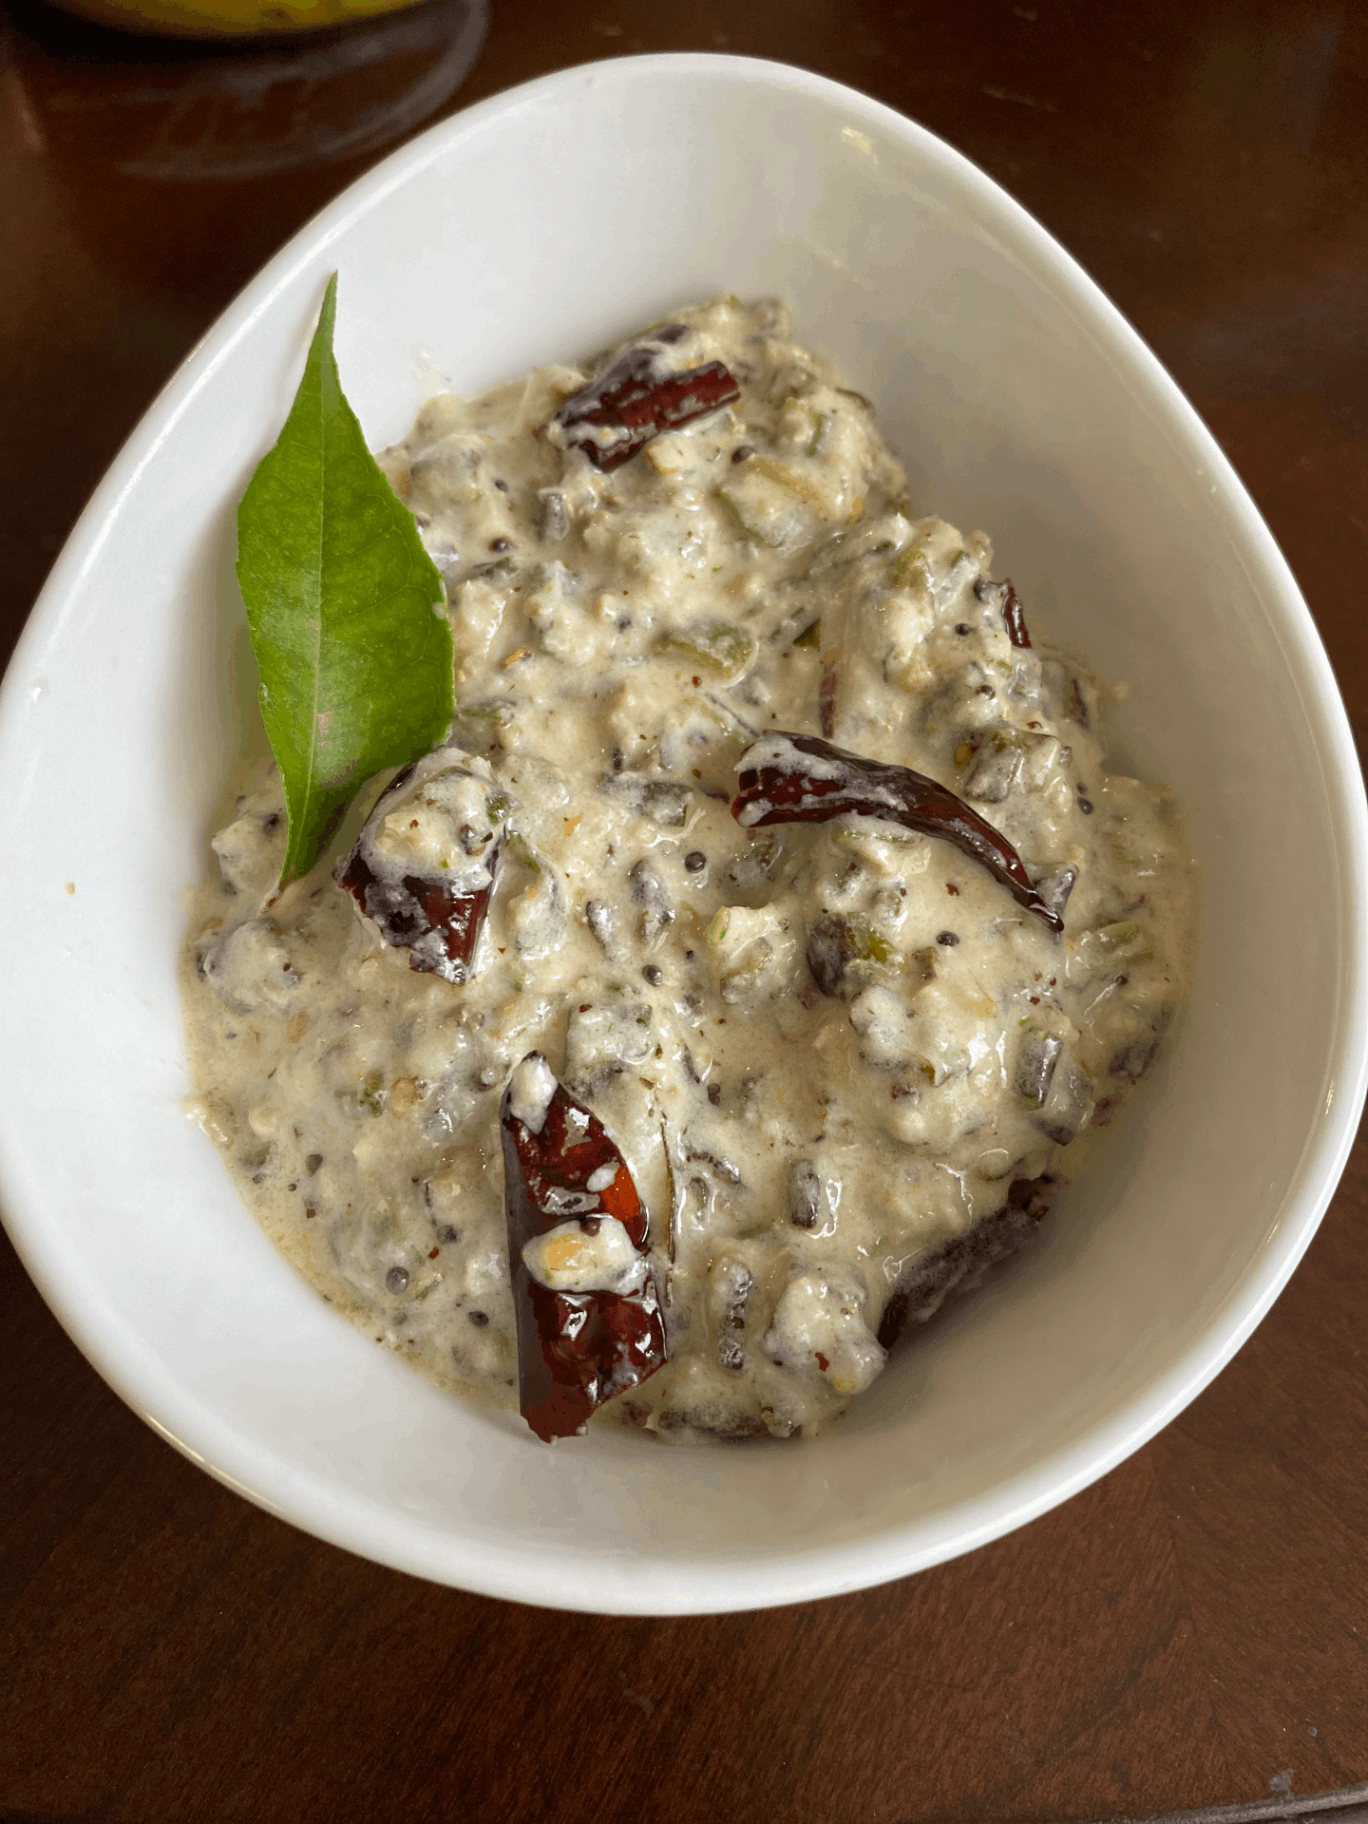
x=229, y=18
x=159, y=109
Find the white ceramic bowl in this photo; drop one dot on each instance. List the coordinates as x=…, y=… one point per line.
x=539, y=225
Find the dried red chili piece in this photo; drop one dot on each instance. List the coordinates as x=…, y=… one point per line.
x=413, y=909
x=437, y=914
x=1012, y=614
x=1015, y=619
x=788, y=778
x=589, y=1320
x=638, y=397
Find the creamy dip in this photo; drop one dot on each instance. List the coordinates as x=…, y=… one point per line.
x=843, y=1065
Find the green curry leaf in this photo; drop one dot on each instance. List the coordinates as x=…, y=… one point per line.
x=344, y=608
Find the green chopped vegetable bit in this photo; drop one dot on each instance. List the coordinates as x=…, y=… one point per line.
x=870, y=946
x=786, y=479
x=476, y=725
x=911, y=568
x=810, y=636
x=1124, y=942
x=717, y=645
x=520, y=852
x=372, y=1093
x=818, y=426
x=767, y=505
x=1129, y=938
x=344, y=607
x=728, y=498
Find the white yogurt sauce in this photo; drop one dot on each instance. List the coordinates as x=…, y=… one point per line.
x=826, y=1053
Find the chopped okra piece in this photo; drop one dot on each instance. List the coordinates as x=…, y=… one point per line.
x=601, y=919
x=663, y=802
x=1056, y=888
x=1036, y=1063
x=717, y=645
x=733, y=1285
x=554, y=521
x=1127, y=941
x=995, y=768
x=749, y=945
x=836, y=946
x=808, y=1201
x=1132, y=1059
x=758, y=864
x=765, y=506
x=648, y=890
x=1068, y=1103
x=830, y=952
x=538, y=917
x=959, y=1265
x=475, y=729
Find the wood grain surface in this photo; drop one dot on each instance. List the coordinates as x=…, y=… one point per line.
x=1194, y=1629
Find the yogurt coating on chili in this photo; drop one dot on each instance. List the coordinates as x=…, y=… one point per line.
x=843, y=1065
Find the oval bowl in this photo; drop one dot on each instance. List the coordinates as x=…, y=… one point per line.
x=1021, y=402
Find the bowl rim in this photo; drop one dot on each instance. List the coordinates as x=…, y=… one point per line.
x=746, y=1580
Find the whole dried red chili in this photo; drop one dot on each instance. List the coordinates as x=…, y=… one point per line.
x=638, y=397
x=576, y=1349
x=788, y=778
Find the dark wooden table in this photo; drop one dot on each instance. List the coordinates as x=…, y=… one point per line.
x=1193, y=1630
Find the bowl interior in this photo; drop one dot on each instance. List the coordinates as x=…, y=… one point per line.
x=1021, y=404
